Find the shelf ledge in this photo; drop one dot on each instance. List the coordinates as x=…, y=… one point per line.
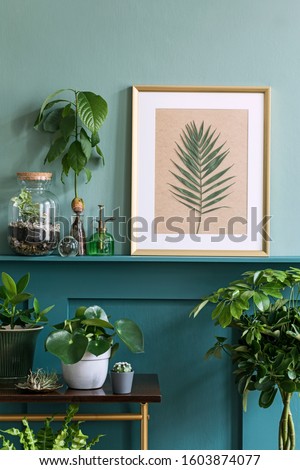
x=150, y=259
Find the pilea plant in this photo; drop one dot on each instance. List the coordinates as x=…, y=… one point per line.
x=68, y=437
x=90, y=331
x=75, y=125
x=263, y=307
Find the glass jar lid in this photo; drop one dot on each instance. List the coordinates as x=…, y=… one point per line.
x=34, y=176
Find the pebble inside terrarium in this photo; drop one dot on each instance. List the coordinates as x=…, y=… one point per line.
x=33, y=211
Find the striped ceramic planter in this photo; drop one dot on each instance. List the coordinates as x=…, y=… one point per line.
x=17, y=349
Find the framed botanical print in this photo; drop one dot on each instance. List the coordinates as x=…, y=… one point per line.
x=200, y=171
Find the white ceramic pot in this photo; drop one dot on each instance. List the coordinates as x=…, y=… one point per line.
x=89, y=373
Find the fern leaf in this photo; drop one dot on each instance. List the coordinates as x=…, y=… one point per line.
x=200, y=184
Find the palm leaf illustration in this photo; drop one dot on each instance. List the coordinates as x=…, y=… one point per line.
x=203, y=184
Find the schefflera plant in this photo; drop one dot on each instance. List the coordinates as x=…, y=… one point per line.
x=263, y=308
x=75, y=124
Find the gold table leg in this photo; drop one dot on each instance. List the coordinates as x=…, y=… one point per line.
x=144, y=426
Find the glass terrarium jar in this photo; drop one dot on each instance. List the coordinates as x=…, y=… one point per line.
x=32, y=226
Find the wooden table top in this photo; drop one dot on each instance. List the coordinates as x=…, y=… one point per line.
x=145, y=389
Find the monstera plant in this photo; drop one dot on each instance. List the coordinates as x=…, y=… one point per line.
x=202, y=182
x=263, y=307
x=74, y=124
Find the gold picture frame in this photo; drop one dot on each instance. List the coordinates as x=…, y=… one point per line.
x=200, y=171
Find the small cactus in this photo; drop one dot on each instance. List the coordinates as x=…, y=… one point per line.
x=40, y=381
x=122, y=367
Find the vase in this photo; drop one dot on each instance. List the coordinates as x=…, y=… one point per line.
x=32, y=226
x=17, y=348
x=88, y=373
x=121, y=382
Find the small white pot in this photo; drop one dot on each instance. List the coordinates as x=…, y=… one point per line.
x=88, y=373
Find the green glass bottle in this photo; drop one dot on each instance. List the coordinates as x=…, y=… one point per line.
x=101, y=243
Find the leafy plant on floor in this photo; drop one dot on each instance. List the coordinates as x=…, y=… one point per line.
x=75, y=124
x=203, y=182
x=68, y=437
x=263, y=306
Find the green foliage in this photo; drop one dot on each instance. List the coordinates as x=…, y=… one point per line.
x=90, y=331
x=68, y=437
x=75, y=126
x=203, y=184
x=28, y=211
x=264, y=307
x=122, y=367
x=12, y=298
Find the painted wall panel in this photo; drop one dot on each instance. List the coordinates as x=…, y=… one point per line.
x=108, y=47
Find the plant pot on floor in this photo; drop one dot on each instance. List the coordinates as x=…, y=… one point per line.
x=88, y=373
x=17, y=347
x=121, y=382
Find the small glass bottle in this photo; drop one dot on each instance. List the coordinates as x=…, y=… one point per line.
x=33, y=211
x=101, y=243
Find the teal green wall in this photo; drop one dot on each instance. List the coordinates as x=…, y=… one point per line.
x=107, y=47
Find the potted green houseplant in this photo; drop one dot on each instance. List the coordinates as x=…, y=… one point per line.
x=263, y=307
x=69, y=437
x=85, y=343
x=19, y=327
x=74, y=123
x=121, y=377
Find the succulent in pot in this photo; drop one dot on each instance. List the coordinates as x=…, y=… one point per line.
x=88, y=338
x=122, y=377
x=120, y=367
x=19, y=327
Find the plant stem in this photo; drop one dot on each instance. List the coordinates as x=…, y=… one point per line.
x=76, y=138
x=75, y=184
x=12, y=321
x=286, y=425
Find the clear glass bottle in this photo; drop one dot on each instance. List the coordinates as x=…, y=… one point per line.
x=32, y=226
x=101, y=243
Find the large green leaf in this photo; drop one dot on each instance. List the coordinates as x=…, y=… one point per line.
x=76, y=158
x=92, y=110
x=85, y=144
x=130, y=333
x=9, y=285
x=67, y=347
x=262, y=301
x=67, y=125
x=48, y=103
x=99, y=346
x=199, y=172
x=266, y=397
x=52, y=120
x=56, y=150
x=23, y=283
